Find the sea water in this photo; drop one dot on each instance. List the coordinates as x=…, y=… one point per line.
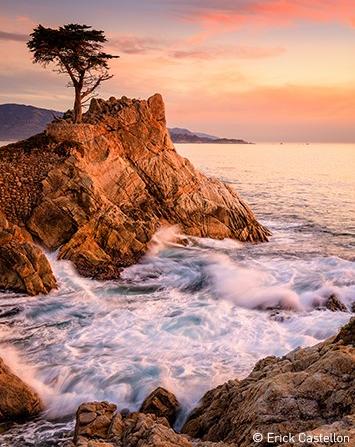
x=190, y=318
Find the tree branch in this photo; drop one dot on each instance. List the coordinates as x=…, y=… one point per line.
x=96, y=84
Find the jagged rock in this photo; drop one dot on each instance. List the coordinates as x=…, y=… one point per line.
x=97, y=420
x=23, y=266
x=299, y=392
x=143, y=430
x=161, y=403
x=17, y=400
x=99, y=190
x=99, y=424
x=334, y=304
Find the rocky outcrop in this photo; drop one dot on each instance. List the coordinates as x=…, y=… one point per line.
x=17, y=400
x=98, y=191
x=99, y=424
x=161, y=403
x=302, y=391
x=23, y=266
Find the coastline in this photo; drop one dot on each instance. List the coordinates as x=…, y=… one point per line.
x=232, y=301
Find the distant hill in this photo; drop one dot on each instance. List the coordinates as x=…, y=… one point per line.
x=181, y=135
x=18, y=121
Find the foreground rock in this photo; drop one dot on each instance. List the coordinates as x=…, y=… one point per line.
x=161, y=403
x=302, y=391
x=23, y=266
x=99, y=190
x=17, y=400
x=99, y=424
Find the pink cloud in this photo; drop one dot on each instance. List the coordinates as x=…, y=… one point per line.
x=131, y=44
x=228, y=15
x=235, y=52
x=17, y=37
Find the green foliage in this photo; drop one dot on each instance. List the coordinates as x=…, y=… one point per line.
x=76, y=50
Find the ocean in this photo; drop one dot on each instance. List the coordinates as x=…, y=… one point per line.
x=190, y=318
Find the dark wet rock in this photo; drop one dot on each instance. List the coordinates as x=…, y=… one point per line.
x=334, y=304
x=161, y=403
x=125, y=412
x=278, y=316
x=305, y=389
x=17, y=400
x=10, y=311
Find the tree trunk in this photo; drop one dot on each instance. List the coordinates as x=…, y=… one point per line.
x=78, y=113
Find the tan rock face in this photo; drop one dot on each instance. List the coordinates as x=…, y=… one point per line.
x=99, y=190
x=17, y=400
x=98, y=424
x=23, y=266
x=96, y=420
x=306, y=389
x=161, y=403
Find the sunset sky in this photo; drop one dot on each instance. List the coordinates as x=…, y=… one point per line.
x=263, y=70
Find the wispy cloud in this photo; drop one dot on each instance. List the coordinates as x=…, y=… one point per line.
x=237, y=52
x=230, y=14
x=131, y=44
x=13, y=36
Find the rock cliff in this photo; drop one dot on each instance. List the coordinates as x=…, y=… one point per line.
x=98, y=191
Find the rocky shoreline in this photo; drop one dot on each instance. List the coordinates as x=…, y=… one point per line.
x=309, y=392
x=99, y=190
x=96, y=193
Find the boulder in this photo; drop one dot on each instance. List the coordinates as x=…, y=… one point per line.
x=303, y=390
x=97, y=420
x=143, y=430
x=23, y=266
x=99, y=190
x=17, y=400
x=98, y=424
x=334, y=304
x=161, y=403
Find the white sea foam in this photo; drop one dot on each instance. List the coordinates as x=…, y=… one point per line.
x=164, y=236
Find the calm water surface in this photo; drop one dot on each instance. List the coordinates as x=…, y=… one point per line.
x=186, y=318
